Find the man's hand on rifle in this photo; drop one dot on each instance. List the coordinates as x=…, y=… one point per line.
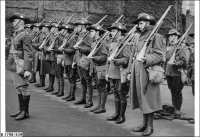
x=143, y=59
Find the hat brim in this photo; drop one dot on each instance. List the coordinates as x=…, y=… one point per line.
x=114, y=27
x=79, y=23
x=94, y=28
x=167, y=35
x=152, y=22
x=26, y=20
x=191, y=35
x=60, y=28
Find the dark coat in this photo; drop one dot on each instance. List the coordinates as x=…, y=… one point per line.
x=144, y=94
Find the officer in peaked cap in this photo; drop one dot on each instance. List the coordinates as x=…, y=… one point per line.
x=21, y=49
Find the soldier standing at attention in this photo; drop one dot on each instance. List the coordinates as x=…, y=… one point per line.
x=113, y=71
x=99, y=59
x=21, y=50
x=173, y=74
x=83, y=65
x=143, y=93
x=69, y=51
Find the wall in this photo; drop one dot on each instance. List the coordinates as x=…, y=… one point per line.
x=48, y=9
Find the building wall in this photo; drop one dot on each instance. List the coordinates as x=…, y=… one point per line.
x=49, y=9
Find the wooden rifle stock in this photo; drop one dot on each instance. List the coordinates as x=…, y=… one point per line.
x=98, y=45
x=172, y=59
x=151, y=36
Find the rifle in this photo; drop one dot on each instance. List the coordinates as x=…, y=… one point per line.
x=172, y=59
x=83, y=38
x=151, y=36
x=98, y=45
x=69, y=19
x=101, y=41
x=47, y=38
x=124, y=41
x=87, y=17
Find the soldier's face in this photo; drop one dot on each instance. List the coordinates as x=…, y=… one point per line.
x=173, y=38
x=92, y=33
x=113, y=32
x=142, y=25
x=16, y=23
x=79, y=28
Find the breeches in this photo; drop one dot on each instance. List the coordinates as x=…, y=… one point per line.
x=20, y=84
x=58, y=70
x=85, y=76
x=70, y=72
x=174, y=83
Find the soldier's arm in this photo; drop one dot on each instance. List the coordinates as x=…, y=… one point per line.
x=68, y=48
x=85, y=47
x=182, y=62
x=157, y=55
x=102, y=57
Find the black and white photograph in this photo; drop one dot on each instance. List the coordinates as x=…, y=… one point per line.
x=99, y=68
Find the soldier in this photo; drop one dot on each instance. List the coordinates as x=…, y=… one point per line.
x=84, y=67
x=113, y=75
x=190, y=72
x=144, y=94
x=69, y=52
x=57, y=67
x=99, y=59
x=29, y=29
x=173, y=74
x=21, y=50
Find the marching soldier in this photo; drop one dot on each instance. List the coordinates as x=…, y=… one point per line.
x=29, y=29
x=143, y=93
x=190, y=72
x=84, y=67
x=69, y=52
x=173, y=74
x=113, y=75
x=99, y=59
x=21, y=51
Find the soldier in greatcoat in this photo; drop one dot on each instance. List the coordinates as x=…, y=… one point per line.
x=20, y=50
x=173, y=73
x=113, y=74
x=84, y=67
x=99, y=59
x=69, y=51
x=144, y=94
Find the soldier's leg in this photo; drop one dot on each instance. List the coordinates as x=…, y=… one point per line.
x=170, y=81
x=33, y=78
x=83, y=87
x=67, y=73
x=113, y=83
x=58, y=85
x=149, y=129
x=72, y=78
x=61, y=78
x=179, y=95
x=123, y=99
x=88, y=79
x=143, y=126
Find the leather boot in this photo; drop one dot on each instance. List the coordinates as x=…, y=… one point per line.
x=143, y=126
x=117, y=111
x=179, y=100
x=82, y=100
x=121, y=118
x=61, y=93
x=58, y=91
x=103, y=102
x=99, y=100
x=25, y=112
x=149, y=130
x=20, y=98
x=33, y=79
x=89, y=103
x=51, y=83
x=73, y=89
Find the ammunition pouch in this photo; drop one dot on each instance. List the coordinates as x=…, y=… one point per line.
x=156, y=74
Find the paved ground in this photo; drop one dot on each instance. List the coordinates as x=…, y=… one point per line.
x=50, y=116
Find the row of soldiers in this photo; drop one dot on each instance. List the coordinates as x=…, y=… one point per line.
x=57, y=49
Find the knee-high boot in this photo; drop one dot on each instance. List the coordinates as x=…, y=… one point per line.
x=58, y=85
x=90, y=94
x=20, y=98
x=82, y=100
x=50, y=87
x=33, y=78
x=117, y=111
x=98, y=98
x=72, y=90
x=25, y=109
x=143, y=126
x=149, y=130
x=102, y=108
x=61, y=93
x=42, y=79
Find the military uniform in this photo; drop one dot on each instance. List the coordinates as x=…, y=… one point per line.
x=143, y=93
x=114, y=75
x=69, y=51
x=21, y=49
x=173, y=74
x=84, y=66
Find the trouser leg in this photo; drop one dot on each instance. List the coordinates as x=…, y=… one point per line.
x=61, y=79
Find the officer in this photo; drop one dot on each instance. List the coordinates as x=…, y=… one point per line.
x=113, y=71
x=21, y=50
x=99, y=59
x=190, y=72
x=173, y=74
x=143, y=93
x=69, y=52
x=84, y=67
